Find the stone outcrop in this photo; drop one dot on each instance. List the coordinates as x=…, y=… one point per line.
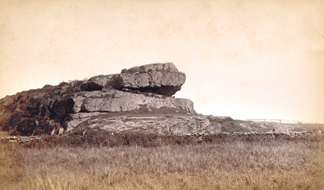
x=168, y=124
x=110, y=100
x=136, y=100
x=157, y=78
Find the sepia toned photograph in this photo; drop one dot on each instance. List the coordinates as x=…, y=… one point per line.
x=161, y=94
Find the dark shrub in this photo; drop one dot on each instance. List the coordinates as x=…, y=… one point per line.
x=90, y=86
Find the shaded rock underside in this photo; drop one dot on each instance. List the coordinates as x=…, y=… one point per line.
x=48, y=110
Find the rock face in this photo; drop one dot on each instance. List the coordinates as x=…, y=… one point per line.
x=111, y=100
x=157, y=78
x=136, y=100
x=168, y=124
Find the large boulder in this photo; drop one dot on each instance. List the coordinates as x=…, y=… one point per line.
x=158, y=78
x=139, y=90
x=138, y=100
x=111, y=100
x=164, y=124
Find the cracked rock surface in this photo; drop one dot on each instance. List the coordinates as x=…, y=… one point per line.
x=157, y=78
x=157, y=124
x=136, y=100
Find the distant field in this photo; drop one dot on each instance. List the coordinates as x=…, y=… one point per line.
x=301, y=127
x=237, y=163
x=262, y=127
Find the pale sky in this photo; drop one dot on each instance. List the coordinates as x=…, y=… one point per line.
x=244, y=59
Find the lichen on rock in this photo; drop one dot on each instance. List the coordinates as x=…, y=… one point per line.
x=117, y=102
x=157, y=78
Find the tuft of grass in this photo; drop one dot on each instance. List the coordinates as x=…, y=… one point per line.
x=99, y=138
x=9, y=175
x=228, y=164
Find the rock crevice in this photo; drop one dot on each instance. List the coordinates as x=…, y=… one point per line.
x=137, y=99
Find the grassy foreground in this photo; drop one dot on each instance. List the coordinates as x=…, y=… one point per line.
x=236, y=164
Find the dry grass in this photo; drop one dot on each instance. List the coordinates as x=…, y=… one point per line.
x=232, y=164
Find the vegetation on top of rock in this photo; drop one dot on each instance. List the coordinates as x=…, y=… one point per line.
x=47, y=110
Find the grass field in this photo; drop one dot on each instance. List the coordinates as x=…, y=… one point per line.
x=230, y=164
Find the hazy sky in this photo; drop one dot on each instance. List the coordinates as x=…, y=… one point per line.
x=244, y=59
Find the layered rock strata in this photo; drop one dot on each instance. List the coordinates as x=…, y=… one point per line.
x=110, y=100
x=168, y=124
x=136, y=100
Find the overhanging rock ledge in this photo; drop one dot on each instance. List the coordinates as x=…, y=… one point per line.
x=138, y=99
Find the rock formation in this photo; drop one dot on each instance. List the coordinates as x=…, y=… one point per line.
x=138, y=99
x=157, y=78
x=134, y=102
